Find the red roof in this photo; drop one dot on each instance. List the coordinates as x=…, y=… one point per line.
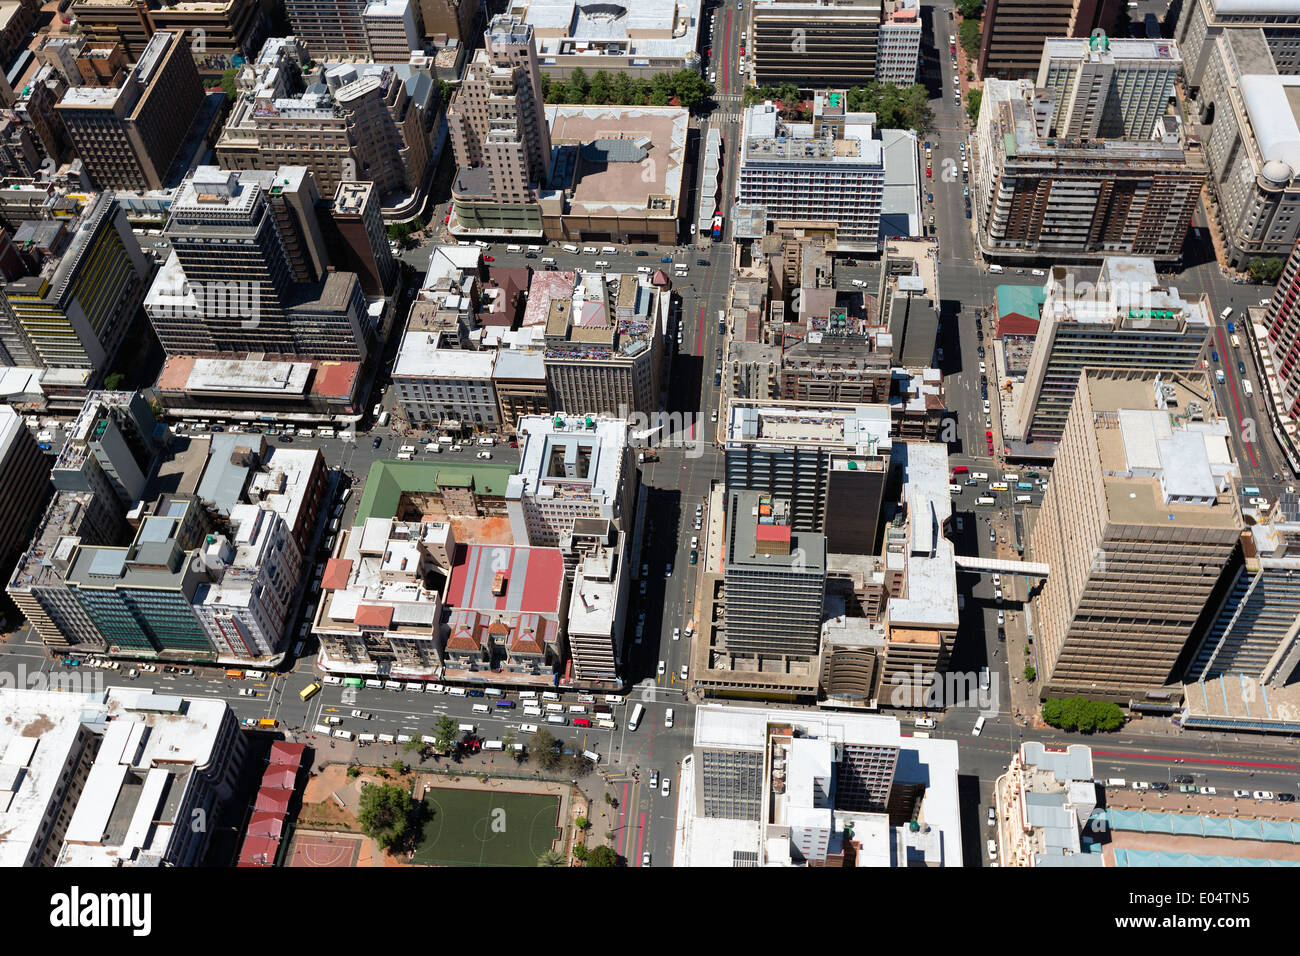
x=772, y=532
x=273, y=801
x=337, y=572
x=259, y=851
x=279, y=778
x=265, y=824
x=336, y=379
x=1013, y=323
x=374, y=615
x=286, y=754
x=534, y=579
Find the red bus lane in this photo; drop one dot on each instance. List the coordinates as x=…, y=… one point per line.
x=724, y=72
x=1230, y=372
x=1192, y=759
x=640, y=837
x=622, y=819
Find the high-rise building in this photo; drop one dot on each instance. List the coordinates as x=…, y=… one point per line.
x=361, y=242
x=25, y=478
x=1202, y=23
x=828, y=464
x=1283, y=325
x=75, y=313
x=446, y=388
x=496, y=118
x=446, y=20
x=1036, y=195
x=1251, y=122
x=570, y=469
x=229, y=28
x=776, y=581
x=598, y=607
x=816, y=43
x=1108, y=89
x=1137, y=526
x=111, y=448
x=604, y=346
x=831, y=170
x=1012, y=31
x=368, y=121
x=899, y=52
x=331, y=29
x=392, y=34
x=1130, y=319
x=128, y=136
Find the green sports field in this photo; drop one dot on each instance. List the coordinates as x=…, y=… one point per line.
x=480, y=828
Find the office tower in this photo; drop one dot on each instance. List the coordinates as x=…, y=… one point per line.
x=21, y=155
x=224, y=237
x=17, y=21
x=111, y=448
x=76, y=311
x=656, y=36
x=598, y=607
x=128, y=136
x=827, y=463
x=1036, y=195
x=1012, y=31
x=1283, y=324
x=569, y=469
x=1203, y=24
x=1108, y=89
x=392, y=34
x=1137, y=525
x=1130, y=320
x=1250, y=107
x=497, y=119
x=445, y=387
x=369, y=122
x=604, y=347
x=332, y=28
x=816, y=43
x=776, y=581
x=360, y=241
x=25, y=478
x=832, y=169
x=294, y=199
x=899, y=51
x=37, y=109
x=446, y=20
x=228, y=27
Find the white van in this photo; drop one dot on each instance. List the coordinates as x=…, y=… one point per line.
x=342, y=734
x=532, y=712
x=550, y=695
x=926, y=723
x=996, y=270
x=493, y=745
x=383, y=419
x=589, y=251
x=606, y=724
x=456, y=691
x=591, y=755
x=405, y=456
x=568, y=248
x=1225, y=313
x=1246, y=387
x=305, y=433
x=1023, y=499
x=410, y=448
x=528, y=728
x=577, y=709
x=514, y=249
x=608, y=251
x=979, y=726
x=979, y=476
x=528, y=695
x=487, y=440
x=465, y=728
x=375, y=684
x=554, y=708
x=556, y=719
x=1117, y=782
x=387, y=739
x=323, y=729
x=548, y=261
x=482, y=709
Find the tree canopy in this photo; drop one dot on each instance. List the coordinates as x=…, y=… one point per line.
x=687, y=87
x=1083, y=715
x=385, y=814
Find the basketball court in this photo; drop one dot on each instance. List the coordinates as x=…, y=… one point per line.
x=486, y=828
x=315, y=848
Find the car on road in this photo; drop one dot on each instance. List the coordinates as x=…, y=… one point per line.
x=701, y=262
x=1239, y=794
x=1039, y=272
x=1160, y=785
x=667, y=788
x=993, y=849
x=361, y=715
x=1002, y=618
x=1286, y=797
x=668, y=717
x=665, y=258
x=457, y=447
x=645, y=858
x=489, y=259
x=668, y=571
x=1263, y=795
x=662, y=668
x=1210, y=790
x=1182, y=778
x=1241, y=368
x=992, y=816
x=654, y=779
x=484, y=456
x=247, y=692
x=677, y=634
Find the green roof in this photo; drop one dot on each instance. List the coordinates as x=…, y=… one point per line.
x=1026, y=300
x=389, y=478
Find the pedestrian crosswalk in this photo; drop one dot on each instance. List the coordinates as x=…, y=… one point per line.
x=717, y=119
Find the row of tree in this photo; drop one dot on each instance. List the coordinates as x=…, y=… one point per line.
x=1083, y=715
x=685, y=87
x=896, y=107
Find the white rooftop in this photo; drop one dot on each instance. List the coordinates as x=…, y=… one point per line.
x=420, y=356
x=931, y=596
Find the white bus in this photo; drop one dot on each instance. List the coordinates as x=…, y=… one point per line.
x=979, y=476
x=637, y=713
x=986, y=501
x=1023, y=499
x=998, y=486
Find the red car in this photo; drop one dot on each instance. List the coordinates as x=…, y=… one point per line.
x=489, y=259
x=446, y=219
x=708, y=51
x=988, y=435
x=742, y=49
x=929, y=173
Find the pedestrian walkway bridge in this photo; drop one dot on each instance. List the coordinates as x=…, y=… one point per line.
x=972, y=562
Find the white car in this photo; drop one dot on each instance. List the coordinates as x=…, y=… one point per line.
x=1266, y=301
x=1263, y=794
x=668, y=717
x=993, y=849
x=360, y=715
x=645, y=857
x=693, y=227
x=677, y=634
x=247, y=692
x=484, y=456
x=654, y=779
x=666, y=789
x=684, y=673
x=458, y=447
x=1241, y=793
x=1038, y=272
x=997, y=595
x=662, y=668
x=1210, y=790
x=997, y=580
x=1002, y=619
x=983, y=369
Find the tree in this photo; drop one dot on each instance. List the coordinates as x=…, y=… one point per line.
x=970, y=8
x=1030, y=673
x=444, y=734
x=599, y=94
x=114, y=382
x=445, y=90
x=973, y=100
x=385, y=814
x=580, y=851
x=228, y=83
x=582, y=823
x=550, y=858
x=602, y=856
x=545, y=750
x=577, y=765
x=1273, y=269
x=399, y=766
x=1079, y=713
x=578, y=85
